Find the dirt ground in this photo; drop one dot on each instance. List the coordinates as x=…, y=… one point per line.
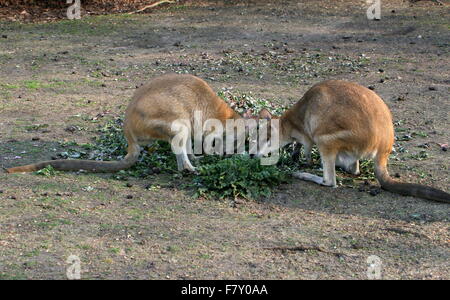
x=59, y=81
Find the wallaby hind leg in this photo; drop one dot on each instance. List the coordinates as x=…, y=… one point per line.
x=191, y=154
x=184, y=163
x=329, y=172
x=180, y=146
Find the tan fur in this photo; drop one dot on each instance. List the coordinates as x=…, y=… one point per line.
x=347, y=122
x=149, y=117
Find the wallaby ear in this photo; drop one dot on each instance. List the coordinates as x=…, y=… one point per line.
x=265, y=114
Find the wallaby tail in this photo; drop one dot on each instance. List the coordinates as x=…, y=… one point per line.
x=87, y=165
x=406, y=189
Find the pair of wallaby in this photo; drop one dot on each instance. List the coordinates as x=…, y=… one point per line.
x=345, y=120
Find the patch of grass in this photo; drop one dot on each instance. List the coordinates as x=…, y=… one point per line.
x=84, y=247
x=422, y=155
x=35, y=84
x=47, y=171
x=176, y=8
x=173, y=248
x=52, y=223
x=13, y=276
x=114, y=250
x=55, y=201
x=34, y=252
x=420, y=133
x=6, y=95
x=9, y=86
x=4, y=58
x=32, y=84
x=93, y=83
x=277, y=62
x=35, y=127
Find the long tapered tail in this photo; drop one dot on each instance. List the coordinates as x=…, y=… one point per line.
x=87, y=165
x=406, y=189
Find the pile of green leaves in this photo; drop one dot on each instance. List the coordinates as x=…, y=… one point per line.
x=244, y=102
x=217, y=176
x=237, y=176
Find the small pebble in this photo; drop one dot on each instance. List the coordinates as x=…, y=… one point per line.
x=129, y=196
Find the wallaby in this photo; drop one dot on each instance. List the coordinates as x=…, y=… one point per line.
x=347, y=122
x=149, y=117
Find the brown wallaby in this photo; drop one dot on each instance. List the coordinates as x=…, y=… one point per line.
x=347, y=122
x=149, y=117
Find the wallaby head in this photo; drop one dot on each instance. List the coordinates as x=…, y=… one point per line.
x=274, y=126
x=150, y=115
x=347, y=122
